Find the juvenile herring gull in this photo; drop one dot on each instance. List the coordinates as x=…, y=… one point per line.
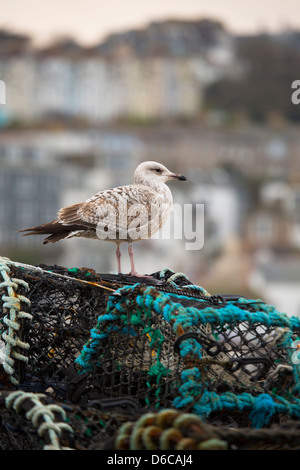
x=123, y=214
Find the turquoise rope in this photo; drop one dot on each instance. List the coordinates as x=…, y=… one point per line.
x=261, y=408
x=193, y=391
x=89, y=350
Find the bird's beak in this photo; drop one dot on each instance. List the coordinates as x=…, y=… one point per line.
x=175, y=176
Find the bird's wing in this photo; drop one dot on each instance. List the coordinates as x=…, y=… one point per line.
x=114, y=213
x=125, y=213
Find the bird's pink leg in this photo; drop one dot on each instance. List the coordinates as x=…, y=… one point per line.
x=118, y=255
x=133, y=271
x=130, y=252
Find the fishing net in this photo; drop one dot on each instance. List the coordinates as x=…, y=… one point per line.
x=91, y=360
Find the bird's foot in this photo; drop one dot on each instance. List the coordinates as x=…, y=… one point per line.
x=135, y=274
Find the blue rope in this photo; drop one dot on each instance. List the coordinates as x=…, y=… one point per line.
x=137, y=303
x=261, y=408
x=262, y=411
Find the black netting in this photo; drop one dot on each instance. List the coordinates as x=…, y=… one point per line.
x=109, y=349
x=95, y=429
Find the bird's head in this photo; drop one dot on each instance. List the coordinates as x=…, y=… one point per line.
x=153, y=172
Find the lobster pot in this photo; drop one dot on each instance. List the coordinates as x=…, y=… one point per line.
x=45, y=321
x=113, y=343
x=209, y=356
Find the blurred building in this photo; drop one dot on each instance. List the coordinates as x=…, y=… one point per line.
x=30, y=194
x=274, y=223
x=93, y=159
x=40, y=172
x=150, y=74
x=277, y=282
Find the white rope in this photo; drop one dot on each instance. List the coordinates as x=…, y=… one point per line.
x=179, y=275
x=46, y=412
x=12, y=302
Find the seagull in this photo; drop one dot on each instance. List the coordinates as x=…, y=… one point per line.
x=123, y=214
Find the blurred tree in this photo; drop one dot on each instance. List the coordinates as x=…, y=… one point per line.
x=269, y=68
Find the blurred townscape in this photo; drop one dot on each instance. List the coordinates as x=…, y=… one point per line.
x=190, y=94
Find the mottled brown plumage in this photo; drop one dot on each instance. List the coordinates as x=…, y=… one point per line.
x=122, y=214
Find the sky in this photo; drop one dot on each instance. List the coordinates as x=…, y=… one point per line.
x=89, y=21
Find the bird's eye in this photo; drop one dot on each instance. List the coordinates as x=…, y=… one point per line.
x=157, y=170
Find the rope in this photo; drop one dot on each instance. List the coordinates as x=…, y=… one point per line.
x=261, y=408
x=136, y=304
x=168, y=430
x=42, y=417
x=7, y=261
x=12, y=301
